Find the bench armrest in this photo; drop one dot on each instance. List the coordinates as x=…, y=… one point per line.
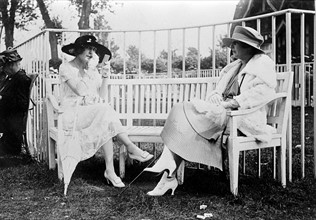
x=232, y=113
x=54, y=103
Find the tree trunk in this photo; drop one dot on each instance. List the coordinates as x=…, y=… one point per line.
x=85, y=15
x=52, y=35
x=9, y=31
x=8, y=20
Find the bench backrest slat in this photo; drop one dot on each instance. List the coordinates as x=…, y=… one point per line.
x=278, y=111
x=153, y=98
x=148, y=98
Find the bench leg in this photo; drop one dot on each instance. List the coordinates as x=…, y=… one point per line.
x=283, y=163
x=122, y=160
x=281, y=154
x=51, y=154
x=180, y=172
x=59, y=167
x=233, y=158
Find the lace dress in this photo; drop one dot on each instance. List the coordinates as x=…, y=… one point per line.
x=96, y=122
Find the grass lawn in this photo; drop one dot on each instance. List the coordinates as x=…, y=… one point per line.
x=29, y=190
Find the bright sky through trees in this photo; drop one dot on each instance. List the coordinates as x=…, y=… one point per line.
x=147, y=15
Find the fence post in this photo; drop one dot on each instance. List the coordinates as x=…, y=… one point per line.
x=288, y=68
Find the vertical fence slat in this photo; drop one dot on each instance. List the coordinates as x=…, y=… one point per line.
x=140, y=55
x=199, y=52
x=288, y=68
x=259, y=150
x=228, y=50
x=302, y=73
x=183, y=53
x=155, y=58
x=314, y=95
x=169, y=55
x=124, y=55
x=214, y=50
x=273, y=31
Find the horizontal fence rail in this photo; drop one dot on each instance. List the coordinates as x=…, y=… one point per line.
x=177, y=43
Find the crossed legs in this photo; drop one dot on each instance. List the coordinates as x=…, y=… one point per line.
x=133, y=151
x=109, y=172
x=170, y=162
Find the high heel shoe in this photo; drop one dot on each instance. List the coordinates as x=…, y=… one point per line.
x=164, y=185
x=165, y=162
x=143, y=157
x=116, y=181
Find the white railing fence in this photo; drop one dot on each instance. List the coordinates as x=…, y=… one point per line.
x=36, y=57
x=297, y=82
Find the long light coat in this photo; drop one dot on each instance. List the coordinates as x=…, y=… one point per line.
x=257, y=87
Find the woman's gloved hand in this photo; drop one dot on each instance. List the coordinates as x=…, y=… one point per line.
x=230, y=103
x=104, y=70
x=90, y=100
x=215, y=99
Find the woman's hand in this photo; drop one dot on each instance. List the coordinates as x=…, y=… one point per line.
x=104, y=70
x=230, y=103
x=215, y=99
x=90, y=100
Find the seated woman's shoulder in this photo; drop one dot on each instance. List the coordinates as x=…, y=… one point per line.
x=263, y=56
x=21, y=75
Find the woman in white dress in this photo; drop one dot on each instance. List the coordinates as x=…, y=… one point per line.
x=97, y=123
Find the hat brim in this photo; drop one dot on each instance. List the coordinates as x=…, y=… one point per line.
x=9, y=56
x=228, y=41
x=101, y=50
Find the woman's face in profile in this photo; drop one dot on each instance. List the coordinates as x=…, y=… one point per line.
x=239, y=50
x=15, y=67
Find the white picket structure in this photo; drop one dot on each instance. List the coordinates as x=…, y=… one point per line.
x=36, y=55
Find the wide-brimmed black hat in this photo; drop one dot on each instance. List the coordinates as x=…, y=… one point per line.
x=9, y=56
x=246, y=35
x=84, y=41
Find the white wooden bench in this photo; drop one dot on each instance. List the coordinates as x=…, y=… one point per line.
x=133, y=99
x=152, y=99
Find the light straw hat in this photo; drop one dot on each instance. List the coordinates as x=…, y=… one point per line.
x=246, y=35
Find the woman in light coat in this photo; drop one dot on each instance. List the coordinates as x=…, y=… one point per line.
x=192, y=130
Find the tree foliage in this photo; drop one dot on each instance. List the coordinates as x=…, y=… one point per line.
x=15, y=14
x=147, y=64
x=53, y=38
x=88, y=7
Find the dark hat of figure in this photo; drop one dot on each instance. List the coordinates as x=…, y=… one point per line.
x=246, y=35
x=85, y=41
x=9, y=56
